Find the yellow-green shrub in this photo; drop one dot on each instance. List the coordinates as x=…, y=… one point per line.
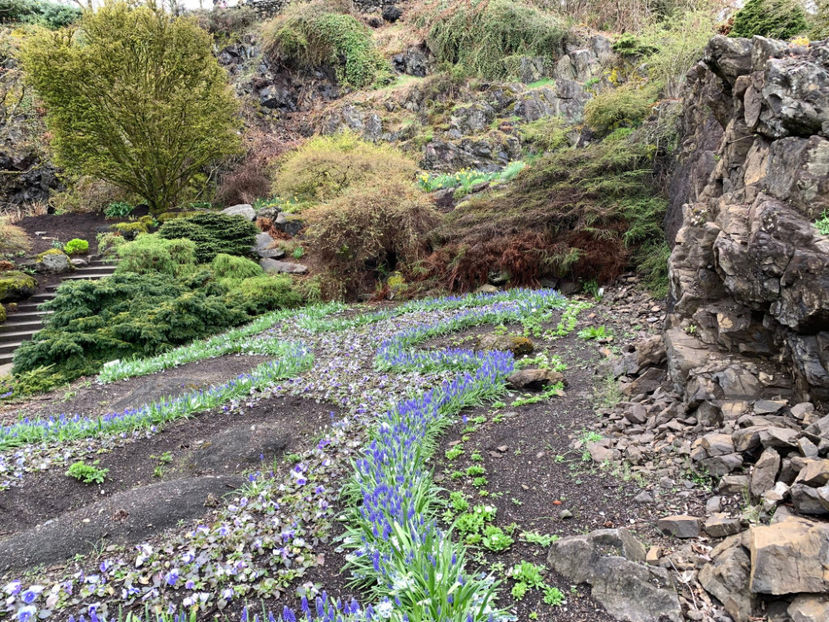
x=259, y=294
x=626, y=106
x=326, y=166
x=151, y=253
x=232, y=268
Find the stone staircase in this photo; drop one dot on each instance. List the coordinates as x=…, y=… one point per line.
x=27, y=319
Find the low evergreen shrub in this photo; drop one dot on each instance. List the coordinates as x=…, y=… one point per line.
x=213, y=234
x=120, y=316
x=151, y=253
x=259, y=294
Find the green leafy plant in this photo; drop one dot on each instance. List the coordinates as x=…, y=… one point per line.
x=118, y=209
x=495, y=539
x=87, y=473
x=110, y=115
x=822, y=224
x=553, y=596
x=594, y=332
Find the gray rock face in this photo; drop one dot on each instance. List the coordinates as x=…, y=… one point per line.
x=749, y=270
x=263, y=247
x=611, y=561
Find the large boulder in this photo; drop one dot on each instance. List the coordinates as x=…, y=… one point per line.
x=243, y=210
x=790, y=557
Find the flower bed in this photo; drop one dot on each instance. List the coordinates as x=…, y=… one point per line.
x=409, y=568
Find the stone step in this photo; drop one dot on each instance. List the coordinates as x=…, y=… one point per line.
x=38, y=298
x=19, y=315
x=7, y=349
x=16, y=325
x=17, y=336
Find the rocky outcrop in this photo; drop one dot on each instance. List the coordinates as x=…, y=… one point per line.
x=749, y=272
x=747, y=337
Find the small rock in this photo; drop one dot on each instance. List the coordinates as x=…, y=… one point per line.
x=643, y=498
x=733, y=484
x=653, y=555
x=721, y=526
x=801, y=410
x=789, y=557
x=765, y=471
x=533, y=379
x=565, y=514
x=714, y=504
x=679, y=526
x=768, y=407
x=814, y=473
x=809, y=608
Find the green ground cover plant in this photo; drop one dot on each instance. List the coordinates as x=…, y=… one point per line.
x=312, y=35
x=482, y=37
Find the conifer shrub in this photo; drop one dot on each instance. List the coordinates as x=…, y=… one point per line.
x=123, y=315
x=312, y=35
x=626, y=106
x=213, y=234
x=777, y=19
x=371, y=229
x=151, y=253
x=327, y=166
x=233, y=269
x=259, y=294
x=482, y=37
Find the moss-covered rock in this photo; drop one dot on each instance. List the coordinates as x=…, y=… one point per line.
x=129, y=230
x=16, y=285
x=53, y=261
x=2, y=314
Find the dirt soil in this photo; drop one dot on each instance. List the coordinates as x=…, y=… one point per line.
x=65, y=227
x=214, y=443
